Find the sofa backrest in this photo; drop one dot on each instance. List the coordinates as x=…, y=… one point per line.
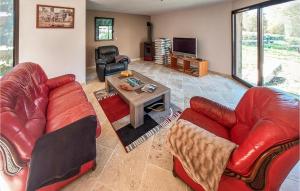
x=265, y=118
x=260, y=103
x=23, y=104
x=107, y=53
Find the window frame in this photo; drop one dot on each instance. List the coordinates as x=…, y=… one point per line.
x=95, y=25
x=260, y=47
x=16, y=33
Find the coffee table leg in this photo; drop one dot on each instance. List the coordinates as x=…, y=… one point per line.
x=167, y=98
x=136, y=115
x=107, y=87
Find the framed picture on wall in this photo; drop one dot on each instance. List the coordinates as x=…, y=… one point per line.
x=54, y=17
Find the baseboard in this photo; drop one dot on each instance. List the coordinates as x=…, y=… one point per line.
x=135, y=59
x=91, y=67
x=221, y=74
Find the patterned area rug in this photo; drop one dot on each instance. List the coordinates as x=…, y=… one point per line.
x=117, y=112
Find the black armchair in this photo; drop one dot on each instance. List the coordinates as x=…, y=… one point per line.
x=108, y=61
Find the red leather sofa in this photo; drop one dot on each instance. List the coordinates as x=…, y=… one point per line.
x=35, y=109
x=264, y=125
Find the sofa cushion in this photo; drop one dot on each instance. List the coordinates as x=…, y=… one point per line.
x=68, y=116
x=60, y=104
x=205, y=122
x=68, y=104
x=71, y=115
x=65, y=89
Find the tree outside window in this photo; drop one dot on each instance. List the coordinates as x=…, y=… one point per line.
x=7, y=43
x=104, y=28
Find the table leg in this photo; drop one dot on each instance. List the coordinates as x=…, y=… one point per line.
x=136, y=115
x=107, y=86
x=167, y=98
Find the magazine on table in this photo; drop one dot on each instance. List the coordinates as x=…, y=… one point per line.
x=150, y=88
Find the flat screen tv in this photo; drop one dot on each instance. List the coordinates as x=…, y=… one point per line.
x=185, y=45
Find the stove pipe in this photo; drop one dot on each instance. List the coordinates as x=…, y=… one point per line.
x=149, y=26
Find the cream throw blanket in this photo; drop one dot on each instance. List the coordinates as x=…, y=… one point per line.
x=202, y=154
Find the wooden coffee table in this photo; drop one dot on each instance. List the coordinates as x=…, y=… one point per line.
x=137, y=100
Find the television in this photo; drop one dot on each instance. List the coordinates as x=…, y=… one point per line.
x=185, y=46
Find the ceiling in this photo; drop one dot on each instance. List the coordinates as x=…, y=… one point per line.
x=145, y=7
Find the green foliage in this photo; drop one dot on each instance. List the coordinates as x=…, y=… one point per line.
x=272, y=41
x=292, y=13
x=104, y=28
x=277, y=29
x=7, y=35
x=4, y=69
x=282, y=19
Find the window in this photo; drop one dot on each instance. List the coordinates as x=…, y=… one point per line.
x=104, y=28
x=8, y=35
x=266, y=45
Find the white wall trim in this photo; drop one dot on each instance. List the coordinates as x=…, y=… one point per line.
x=136, y=59
x=91, y=67
x=132, y=60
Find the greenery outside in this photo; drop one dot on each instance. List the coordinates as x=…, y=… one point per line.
x=281, y=38
x=104, y=28
x=6, y=36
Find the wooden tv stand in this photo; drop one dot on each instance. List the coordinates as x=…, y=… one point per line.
x=192, y=66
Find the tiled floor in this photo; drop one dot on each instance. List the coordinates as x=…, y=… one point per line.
x=148, y=167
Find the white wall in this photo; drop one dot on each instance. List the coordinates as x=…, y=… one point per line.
x=58, y=51
x=130, y=31
x=245, y=3
x=211, y=25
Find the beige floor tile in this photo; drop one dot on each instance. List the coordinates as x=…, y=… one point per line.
x=103, y=155
x=99, y=186
x=73, y=185
x=189, y=188
x=148, y=167
x=124, y=170
x=84, y=183
x=108, y=137
x=161, y=159
x=159, y=154
x=157, y=179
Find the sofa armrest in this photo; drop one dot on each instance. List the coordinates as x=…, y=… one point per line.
x=66, y=149
x=53, y=83
x=101, y=61
x=124, y=63
x=266, y=148
x=262, y=145
x=122, y=59
x=213, y=110
x=11, y=163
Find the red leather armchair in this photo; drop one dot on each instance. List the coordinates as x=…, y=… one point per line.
x=36, y=111
x=264, y=125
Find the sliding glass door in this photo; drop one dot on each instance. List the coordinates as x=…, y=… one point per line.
x=246, y=46
x=281, y=33
x=266, y=45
